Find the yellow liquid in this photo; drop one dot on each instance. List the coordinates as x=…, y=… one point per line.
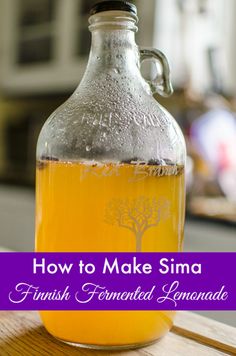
x=108, y=208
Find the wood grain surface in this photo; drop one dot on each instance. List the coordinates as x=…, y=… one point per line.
x=22, y=334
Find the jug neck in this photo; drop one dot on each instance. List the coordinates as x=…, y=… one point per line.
x=113, y=44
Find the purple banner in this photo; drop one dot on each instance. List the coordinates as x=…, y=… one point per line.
x=118, y=281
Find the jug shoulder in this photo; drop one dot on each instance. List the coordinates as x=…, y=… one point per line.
x=133, y=127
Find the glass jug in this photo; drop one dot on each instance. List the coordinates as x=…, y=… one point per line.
x=110, y=175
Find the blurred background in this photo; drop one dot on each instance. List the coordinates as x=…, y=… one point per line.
x=44, y=47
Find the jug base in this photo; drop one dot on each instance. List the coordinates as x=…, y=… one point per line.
x=109, y=347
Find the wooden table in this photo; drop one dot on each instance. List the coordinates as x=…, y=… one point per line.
x=22, y=334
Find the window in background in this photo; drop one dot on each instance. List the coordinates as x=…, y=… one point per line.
x=35, y=31
x=45, y=43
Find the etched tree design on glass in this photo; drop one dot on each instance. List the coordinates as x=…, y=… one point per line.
x=137, y=215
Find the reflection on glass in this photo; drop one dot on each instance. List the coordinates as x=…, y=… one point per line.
x=84, y=38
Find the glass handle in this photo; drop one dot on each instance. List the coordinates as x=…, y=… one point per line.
x=160, y=84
